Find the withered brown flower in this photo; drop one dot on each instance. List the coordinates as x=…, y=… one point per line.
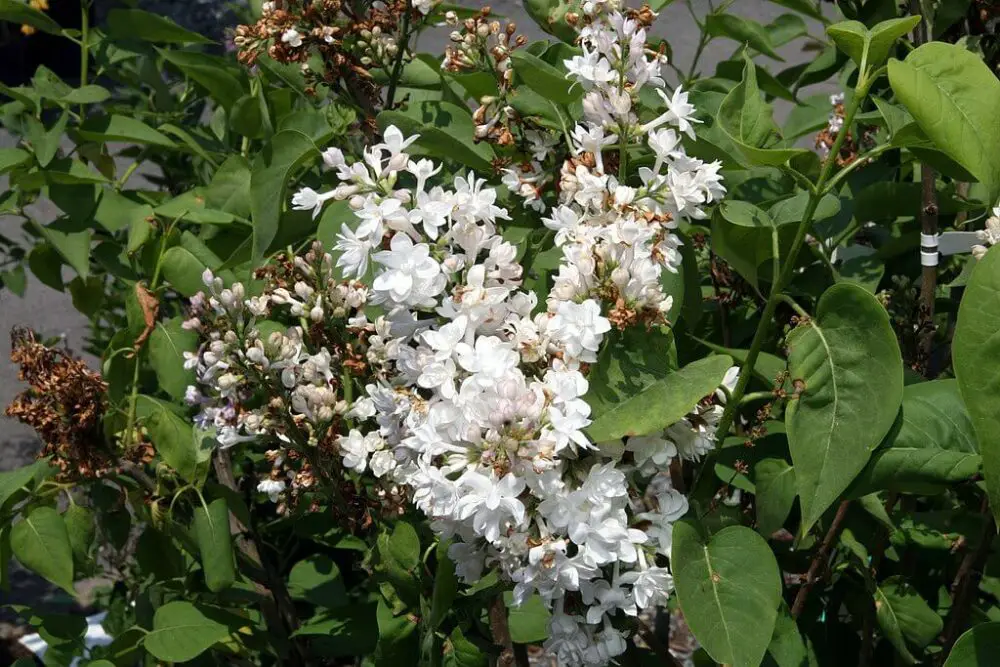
x=64, y=403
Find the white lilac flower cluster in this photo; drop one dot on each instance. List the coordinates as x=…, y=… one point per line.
x=989, y=236
x=617, y=239
x=480, y=399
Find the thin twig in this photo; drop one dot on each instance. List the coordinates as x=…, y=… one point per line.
x=928, y=226
x=966, y=583
x=813, y=575
x=138, y=474
x=509, y=655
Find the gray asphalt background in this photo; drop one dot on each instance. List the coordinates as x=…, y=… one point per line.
x=52, y=314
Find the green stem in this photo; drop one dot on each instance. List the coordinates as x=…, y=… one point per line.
x=861, y=161
x=757, y=396
x=134, y=394
x=397, y=67
x=764, y=330
x=703, y=40
x=799, y=310
x=84, y=47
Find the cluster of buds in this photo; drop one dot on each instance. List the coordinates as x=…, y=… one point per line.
x=484, y=45
x=279, y=367
x=350, y=44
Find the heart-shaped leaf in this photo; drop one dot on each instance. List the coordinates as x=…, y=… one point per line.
x=729, y=588
x=848, y=364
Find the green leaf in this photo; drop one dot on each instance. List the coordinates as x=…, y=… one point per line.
x=122, y=128
x=729, y=589
x=953, y=96
x=884, y=35
x=115, y=211
x=190, y=207
x=229, y=190
x=905, y=618
x=932, y=442
x=182, y=631
x=977, y=647
x=211, y=530
x=744, y=236
x=747, y=120
x=246, y=117
x=445, y=586
x=183, y=270
x=775, y=482
x=742, y=30
x=40, y=543
x=789, y=648
x=398, y=639
x=807, y=7
x=404, y=546
x=138, y=25
x=65, y=171
x=46, y=264
x=167, y=345
x=850, y=37
x=89, y=94
x=865, y=270
x=45, y=142
x=16, y=11
x=11, y=158
x=545, y=79
x=81, y=526
x=317, y=580
x=660, y=404
x=273, y=170
x=460, y=652
x=73, y=247
x=550, y=15
x=529, y=623
x=849, y=364
x=174, y=438
x=870, y=47
x=976, y=350
x=786, y=28
x=212, y=73
x=5, y=557
x=446, y=132
x=334, y=215
x=14, y=480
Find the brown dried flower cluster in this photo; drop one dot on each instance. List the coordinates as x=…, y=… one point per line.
x=64, y=404
x=351, y=44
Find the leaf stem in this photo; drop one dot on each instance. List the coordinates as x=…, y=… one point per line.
x=84, y=47
x=764, y=330
x=397, y=67
x=966, y=583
